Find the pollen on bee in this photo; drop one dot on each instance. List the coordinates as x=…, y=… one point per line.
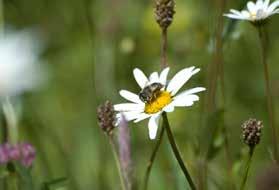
x=162, y=99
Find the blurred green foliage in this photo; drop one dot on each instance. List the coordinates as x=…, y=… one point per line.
x=92, y=48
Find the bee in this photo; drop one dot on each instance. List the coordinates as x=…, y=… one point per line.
x=150, y=92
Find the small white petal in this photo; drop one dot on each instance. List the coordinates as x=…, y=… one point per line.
x=186, y=100
x=169, y=108
x=180, y=79
x=245, y=14
x=129, y=116
x=130, y=96
x=191, y=91
x=140, y=77
x=153, y=126
x=233, y=16
x=273, y=6
x=154, y=77
x=164, y=75
x=251, y=6
x=236, y=12
x=265, y=5
x=259, y=4
x=129, y=107
x=141, y=117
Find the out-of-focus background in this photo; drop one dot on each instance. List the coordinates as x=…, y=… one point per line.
x=91, y=48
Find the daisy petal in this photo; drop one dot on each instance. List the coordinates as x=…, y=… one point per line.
x=164, y=75
x=191, y=91
x=233, y=16
x=251, y=6
x=154, y=77
x=124, y=107
x=129, y=116
x=180, y=79
x=153, y=126
x=185, y=101
x=130, y=96
x=169, y=108
x=265, y=5
x=273, y=6
x=141, y=117
x=140, y=77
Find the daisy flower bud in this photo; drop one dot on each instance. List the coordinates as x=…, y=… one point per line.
x=251, y=132
x=164, y=12
x=106, y=117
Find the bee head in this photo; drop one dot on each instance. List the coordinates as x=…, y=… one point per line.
x=144, y=97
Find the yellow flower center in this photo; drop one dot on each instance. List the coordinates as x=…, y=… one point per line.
x=253, y=15
x=160, y=100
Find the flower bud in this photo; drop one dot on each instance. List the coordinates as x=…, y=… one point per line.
x=164, y=12
x=106, y=117
x=251, y=132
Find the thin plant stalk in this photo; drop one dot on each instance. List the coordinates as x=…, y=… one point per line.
x=117, y=161
x=152, y=158
x=263, y=43
x=164, y=48
x=176, y=152
x=247, y=168
x=10, y=121
x=220, y=63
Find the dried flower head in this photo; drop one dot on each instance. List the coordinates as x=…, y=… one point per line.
x=106, y=117
x=164, y=12
x=251, y=132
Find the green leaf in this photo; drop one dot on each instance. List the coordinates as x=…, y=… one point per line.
x=56, y=184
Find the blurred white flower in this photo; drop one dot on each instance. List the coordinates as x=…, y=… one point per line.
x=163, y=97
x=19, y=67
x=255, y=12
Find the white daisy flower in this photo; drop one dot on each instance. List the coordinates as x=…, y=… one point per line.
x=163, y=98
x=255, y=12
x=19, y=70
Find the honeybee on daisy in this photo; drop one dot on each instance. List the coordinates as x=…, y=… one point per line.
x=157, y=96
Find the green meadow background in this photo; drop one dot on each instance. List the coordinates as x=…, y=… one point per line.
x=91, y=48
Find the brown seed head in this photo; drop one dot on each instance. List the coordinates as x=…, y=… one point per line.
x=251, y=132
x=106, y=117
x=164, y=12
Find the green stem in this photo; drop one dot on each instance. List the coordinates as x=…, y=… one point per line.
x=152, y=158
x=248, y=164
x=117, y=161
x=11, y=121
x=164, y=48
x=263, y=42
x=176, y=152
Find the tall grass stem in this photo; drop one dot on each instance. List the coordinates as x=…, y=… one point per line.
x=176, y=152
x=264, y=47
